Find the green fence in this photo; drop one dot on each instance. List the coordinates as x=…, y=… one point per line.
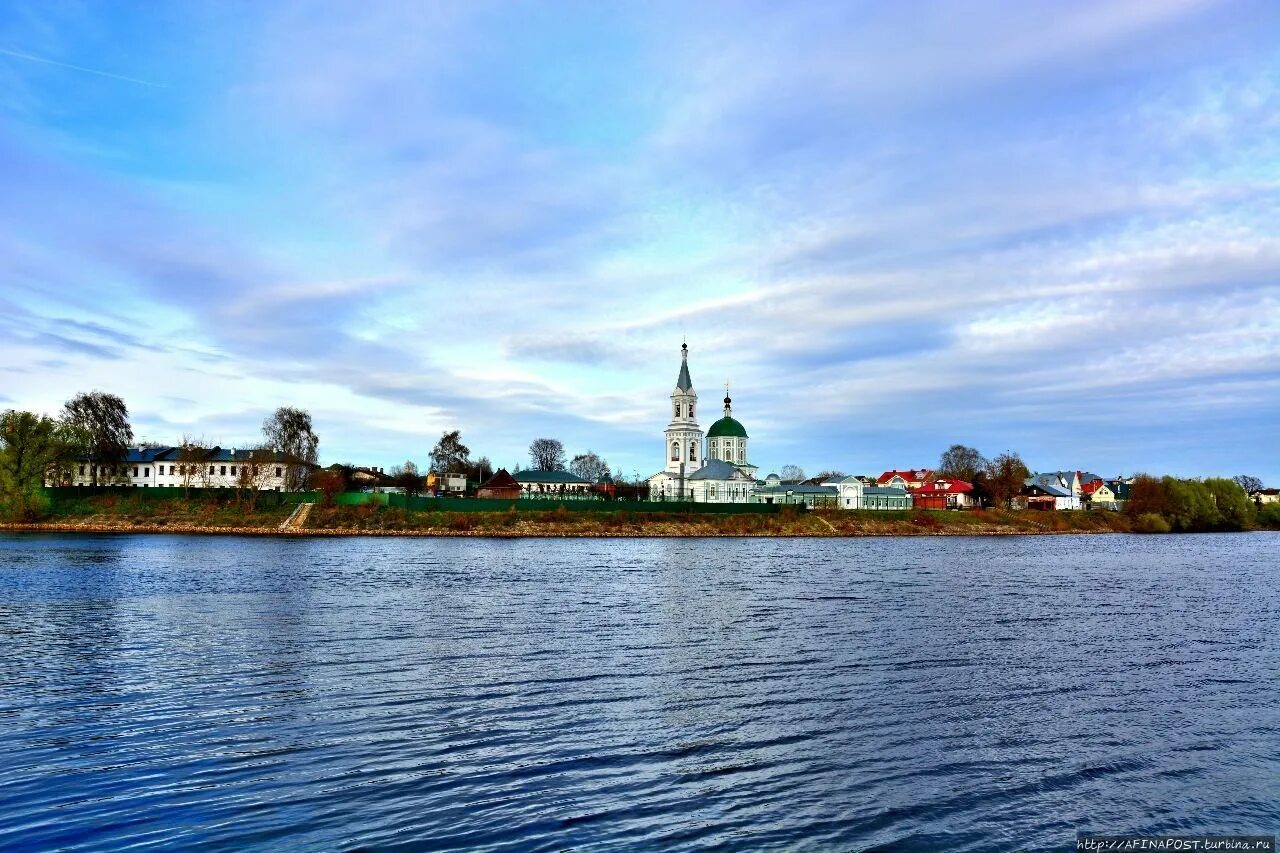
x=169, y=493
x=414, y=503
x=427, y=504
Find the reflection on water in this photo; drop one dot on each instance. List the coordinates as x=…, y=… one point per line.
x=944, y=693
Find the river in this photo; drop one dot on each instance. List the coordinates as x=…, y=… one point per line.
x=936, y=693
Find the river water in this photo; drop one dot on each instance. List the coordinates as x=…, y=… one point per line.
x=904, y=694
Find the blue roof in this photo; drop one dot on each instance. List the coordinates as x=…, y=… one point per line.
x=548, y=477
x=886, y=491
x=715, y=469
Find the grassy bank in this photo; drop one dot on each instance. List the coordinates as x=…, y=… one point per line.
x=125, y=512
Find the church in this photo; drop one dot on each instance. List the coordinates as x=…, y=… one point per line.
x=720, y=473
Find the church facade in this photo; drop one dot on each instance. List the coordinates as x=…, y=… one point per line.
x=706, y=468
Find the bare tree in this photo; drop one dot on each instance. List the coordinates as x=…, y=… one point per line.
x=97, y=426
x=289, y=431
x=961, y=463
x=1004, y=478
x=253, y=470
x=546, y=454
x=589, y=466
x=193, y=458
x=1250, y=484
x=791, y=474
x=408, y=478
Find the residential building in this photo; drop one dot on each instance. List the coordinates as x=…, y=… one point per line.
x=501, y=485
x=886, y=497
x=552, y=484
x=1110, y=495
x=944, y=494
x=1055, y=490
x=208, y=468
x=912, y=479
x=1263, y=497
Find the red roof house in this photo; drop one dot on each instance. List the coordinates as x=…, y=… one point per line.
x=944, y=494
x=905, y=479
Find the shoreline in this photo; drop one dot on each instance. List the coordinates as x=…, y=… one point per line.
x=445, y=533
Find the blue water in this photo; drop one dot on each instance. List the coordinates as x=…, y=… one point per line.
x=903, y=694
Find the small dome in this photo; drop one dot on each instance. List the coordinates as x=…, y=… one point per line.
x=727, y=427
x=773, y=480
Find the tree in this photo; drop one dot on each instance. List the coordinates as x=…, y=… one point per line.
x=330, y=482
x=289, y=431
x=253, y=470
x=1250, y=484
x=1148, y=494
x=193, y=458
x=480, y=470
x=407, y=478
x=1235, y=510
x=1004, y=478
x=30, y=446
x=450, y=455
x=791, y=474
x=97, y=426
x=589, y=466
x=959, y=462
x=546, y=454
x=830, y=475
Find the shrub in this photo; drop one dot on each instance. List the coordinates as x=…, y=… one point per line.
x=1150, y=522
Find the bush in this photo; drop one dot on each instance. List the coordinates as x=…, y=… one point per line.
x=1149, y=522
x=1269, y=516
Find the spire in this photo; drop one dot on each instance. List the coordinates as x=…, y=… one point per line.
x=728, y=404
x=683, y=382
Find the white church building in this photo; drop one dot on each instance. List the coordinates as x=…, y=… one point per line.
x=723, y=473
x=720, y=474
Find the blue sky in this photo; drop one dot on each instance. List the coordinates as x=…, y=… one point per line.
x=1042, y=226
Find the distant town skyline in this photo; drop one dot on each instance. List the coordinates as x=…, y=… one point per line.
x=1041, y=227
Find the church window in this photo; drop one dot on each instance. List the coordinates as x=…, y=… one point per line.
x=713, y=446
x=676, y=414
x=675, y=451
x=691, y=410
x=693, y=453
x=742, y=456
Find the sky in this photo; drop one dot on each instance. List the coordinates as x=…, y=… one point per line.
x=1045, y=227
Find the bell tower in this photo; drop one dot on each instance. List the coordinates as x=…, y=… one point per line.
x=683, y=436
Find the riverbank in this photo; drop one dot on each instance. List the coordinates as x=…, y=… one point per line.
x=177, y=517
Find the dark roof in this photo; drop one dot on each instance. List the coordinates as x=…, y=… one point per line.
x=727, y=427
x=136, y=455
x=885, y=491
x=683, y=382
x=501, y=480
x=548, y=477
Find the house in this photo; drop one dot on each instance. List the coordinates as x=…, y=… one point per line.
x=1266, y=496
x=194, y=467
x=850, y=491
x=1055, y=490
x=905, y=479
x=501, y=485
x=944, y=494
x=1110, y=495
x=795, y=494
x=552, y=484
x=886, y=497
x=370, y=479
x=1088, y=482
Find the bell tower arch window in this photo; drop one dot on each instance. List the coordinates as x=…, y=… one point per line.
x=693, y=452
x=675, y=451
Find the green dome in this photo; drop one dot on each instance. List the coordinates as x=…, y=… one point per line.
x=727, y=427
